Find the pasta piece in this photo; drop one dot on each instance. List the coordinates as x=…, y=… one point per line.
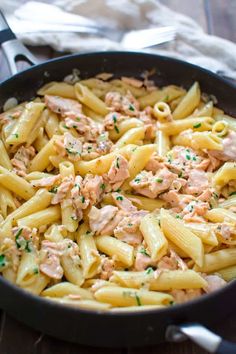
x=72, y=270
x=163, y=143
x=113, y=247
x=197, y=140
x=132, y=136
x=205, y=111
x=217, y=260
x=175, y=127
x=226, y=173
x=65, y=289
x=90, y=258
x=39, y=201
x=41, y=139
x=124, y=126
x=228, y=273
x=87, y=97
x=4, y=158
x=83, y=304
x=52, y=125
x=167, y=94
x=16, y=184
x=118, y=296
x=25, y=123
x=145, y=203
x=57, y=89
x=165, y=281
x=220, y=128
x=162, y=111
x=220, y=215
x=41, y=161
x=42, y=217
x=182, y=237
x=153, y=236
x=188, y=103
x=28, y=269
x=7, y=203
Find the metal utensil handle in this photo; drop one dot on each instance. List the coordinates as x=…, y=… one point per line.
x=12, y=48
x=201, y=336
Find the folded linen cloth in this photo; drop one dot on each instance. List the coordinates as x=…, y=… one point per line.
x=191, y=44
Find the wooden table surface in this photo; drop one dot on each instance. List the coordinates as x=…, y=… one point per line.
x=216, y=17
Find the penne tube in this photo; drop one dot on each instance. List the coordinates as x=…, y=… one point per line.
x=205, y=111
x=83, y=304
x=217, y=260
x=93, y=115
x=90, y=257
x=162, y=111
x=182, y=237
x=123, y=252
x=66, y=289
x=204, y=232
x=14, y=183
x=118, y=296
x=225, y=173
x=164, y=281
x=145, y=203
x=37, y=129
x=39, y=201
x=175, y=127
x=52, y=125
x=228, y=273
x=7, y=204
x=125, y=126
x=36, y=287
x=4, y=157
x=166, y=94
x=41, y=161
x=220, y=215
x=163, y=143
x=87, y=97
x=25, y=123
x=220, y=128
x=154, y=237
x=228, y=203
x=41, y=139
x=57, y=89
x=72, y=270
x=197, y=140
x=28, y=269
x=132, y=136
x=190, y=101
x=42, y=217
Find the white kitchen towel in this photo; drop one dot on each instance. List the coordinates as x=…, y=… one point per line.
x=191, y=44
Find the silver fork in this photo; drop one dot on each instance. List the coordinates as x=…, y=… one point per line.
x=36, y=17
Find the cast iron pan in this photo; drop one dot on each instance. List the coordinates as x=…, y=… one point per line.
x=109, y=329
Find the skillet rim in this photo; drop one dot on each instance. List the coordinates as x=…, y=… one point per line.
x=177, y=308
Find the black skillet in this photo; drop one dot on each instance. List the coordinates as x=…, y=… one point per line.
x=115, y=329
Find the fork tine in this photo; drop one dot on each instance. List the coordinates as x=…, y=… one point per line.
x=145, y=38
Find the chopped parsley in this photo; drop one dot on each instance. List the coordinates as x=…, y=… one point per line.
x=215, y=195
x=180, y=174
x=137, y=180
x=159, y=180
x=116, y=129
x=88, y=233
x=131, y=107
x=72, y=152
x=130, y=225
x=118, y=190
x=103, y=186
x=119, y=197
x=18, y=244
x=149, y=270
x=78, y=119
x=114, y=118
x=171, y=303
x=144, y=252
x=177, y=216
x=138, y=300
x=36, y=270
x=83, y=199
x=233, y=193
x=73, y=217
x=166, y=99
x=197, y=125
x=53, y=190
x=2, y=260
x=194, y=158
x=16, y=135
x=117, y=163
x=188, y=157
x=64, y=126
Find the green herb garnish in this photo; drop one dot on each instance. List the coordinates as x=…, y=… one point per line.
x=103, y=186
x=138, y=300
x=131, y=107
x=53, y=190
x=144, y=252
x=233, y=193
x=159, y=180
x=119, y=197
x=2, y=261
x=197, y=125
x=149, y=270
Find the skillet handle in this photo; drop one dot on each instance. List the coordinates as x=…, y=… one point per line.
x=12, y=48
x=201, y=336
